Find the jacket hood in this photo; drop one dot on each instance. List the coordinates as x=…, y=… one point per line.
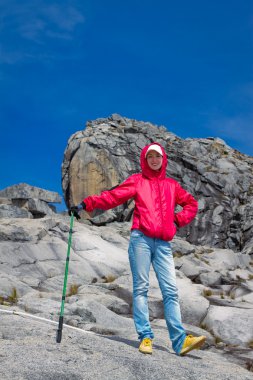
x=146, y=170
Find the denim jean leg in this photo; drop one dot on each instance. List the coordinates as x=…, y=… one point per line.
x=163, y=264
x=140, y=261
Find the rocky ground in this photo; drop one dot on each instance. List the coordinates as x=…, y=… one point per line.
x=28, y=352
x=216, y=296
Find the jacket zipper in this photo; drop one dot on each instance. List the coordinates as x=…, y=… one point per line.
x=159, y=191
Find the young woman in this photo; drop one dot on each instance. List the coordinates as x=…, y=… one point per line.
x=154, y=224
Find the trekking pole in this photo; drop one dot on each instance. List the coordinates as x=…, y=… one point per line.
x=60, y=325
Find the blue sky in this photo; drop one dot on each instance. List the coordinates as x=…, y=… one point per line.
x=185, y=64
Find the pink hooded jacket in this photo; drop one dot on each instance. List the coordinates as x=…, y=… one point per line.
x=155, y=199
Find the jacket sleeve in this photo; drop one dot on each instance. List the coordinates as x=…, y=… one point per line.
x=189, y=204
x=111, y=198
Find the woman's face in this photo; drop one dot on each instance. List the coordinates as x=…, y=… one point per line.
x=154, y=160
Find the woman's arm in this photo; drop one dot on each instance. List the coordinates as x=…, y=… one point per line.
x=111, y=198
x=189, y=204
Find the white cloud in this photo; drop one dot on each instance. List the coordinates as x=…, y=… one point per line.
x=35, y=22
x=65, y=18
x=54, y=21
x=32, y=29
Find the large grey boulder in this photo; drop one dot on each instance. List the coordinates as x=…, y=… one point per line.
x=231, y=325
x=194, y=305
x=226, y=259
x=25, y=191
x=98, y=293
x=103, y=316
x=25, y=201
x=12, y=211
x=36, y=207
x=210, y=279
x=107, y=151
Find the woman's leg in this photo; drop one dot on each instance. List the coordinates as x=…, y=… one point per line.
x=140, y=261
x=163, y=264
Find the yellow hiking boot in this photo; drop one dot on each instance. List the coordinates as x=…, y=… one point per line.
x=146, y=346
x=192, y=343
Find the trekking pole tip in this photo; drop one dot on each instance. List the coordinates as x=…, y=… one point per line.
x=58, y=336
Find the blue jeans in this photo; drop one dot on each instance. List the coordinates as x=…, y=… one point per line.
x=144, y=251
